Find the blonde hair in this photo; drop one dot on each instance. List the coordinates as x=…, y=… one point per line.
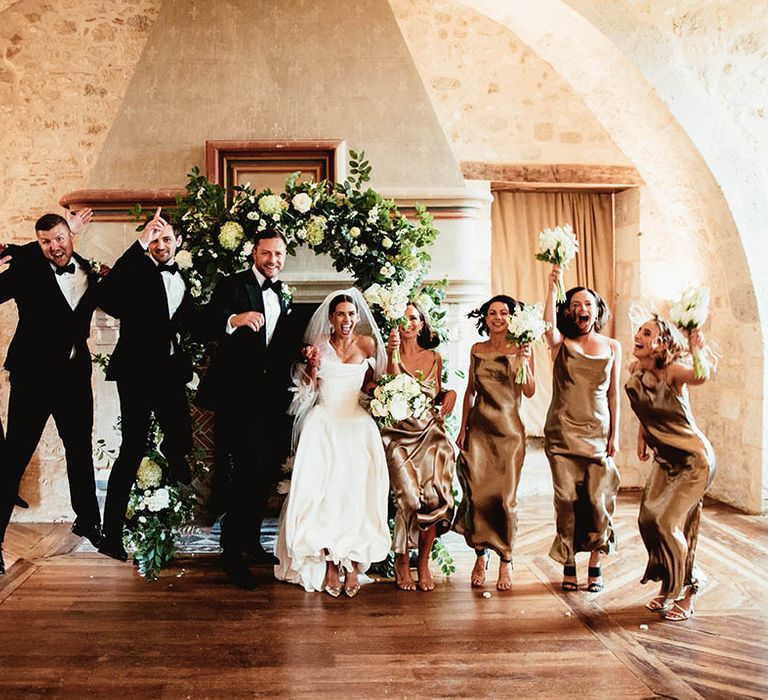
x=673, y=339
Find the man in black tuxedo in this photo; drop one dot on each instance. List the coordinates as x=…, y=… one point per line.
x=50, y=367
x=247, y=387
x=146, y=291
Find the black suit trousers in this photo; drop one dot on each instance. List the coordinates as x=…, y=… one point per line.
x=163, y=394
x=64, y=393
x=256, y=442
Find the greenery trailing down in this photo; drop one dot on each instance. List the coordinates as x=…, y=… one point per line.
x=157, y=508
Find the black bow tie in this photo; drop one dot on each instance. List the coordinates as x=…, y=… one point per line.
x=271, y=284
x=173, y=268
x=66, y=269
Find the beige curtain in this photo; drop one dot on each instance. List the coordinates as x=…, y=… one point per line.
x=517, y=218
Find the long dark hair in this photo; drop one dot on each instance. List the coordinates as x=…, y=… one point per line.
x=565, y=323
x=427, y=338
x=482, y=312
x=340, y=299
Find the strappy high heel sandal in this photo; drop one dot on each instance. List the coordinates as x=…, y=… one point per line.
x=478, y=581
x=658, y=603
x=569, y=586
x=595, y=572
x=677, y=613
x=505, y=585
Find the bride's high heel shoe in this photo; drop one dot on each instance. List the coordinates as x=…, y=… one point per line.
x=334, y=591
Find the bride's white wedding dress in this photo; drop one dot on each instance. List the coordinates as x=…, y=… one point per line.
x=337, y=505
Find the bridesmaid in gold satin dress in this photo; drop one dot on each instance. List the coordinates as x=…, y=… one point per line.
x=492, y=442
x=419, y=454
x=683, y=463
x=581, y=433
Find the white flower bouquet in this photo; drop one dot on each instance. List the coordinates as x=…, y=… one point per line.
x=526, y=325
x=558, y=246
x=391, y=301
x=690, y=311
x=155, y=513
x=396, y=398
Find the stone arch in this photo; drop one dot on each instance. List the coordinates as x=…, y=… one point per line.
x=688, y=230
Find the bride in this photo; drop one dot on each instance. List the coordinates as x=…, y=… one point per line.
x=334, y=521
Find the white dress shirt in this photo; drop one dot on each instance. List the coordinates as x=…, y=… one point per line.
x=72, y=286
x=271, y=307
x=174, y=287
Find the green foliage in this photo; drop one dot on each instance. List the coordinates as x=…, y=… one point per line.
x=443, y=558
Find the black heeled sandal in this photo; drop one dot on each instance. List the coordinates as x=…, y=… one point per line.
x=499, y=585
x=478, y=581
x=595, y=572
x=569, y=586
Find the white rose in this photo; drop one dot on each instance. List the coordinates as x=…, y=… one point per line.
x=184, y=259
x=302, y=202
x=354, y=232
x=398, y=408
x=386, y=242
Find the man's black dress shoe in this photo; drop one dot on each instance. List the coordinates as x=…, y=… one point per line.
x=114, y=550
x=91, y=532
x=237, y=572
x=19, y=502
x=258, y=555
x=2, y=562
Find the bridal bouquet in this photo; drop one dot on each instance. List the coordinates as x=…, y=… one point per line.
x=155, y=513
x=558, y=246
x=689, y=312
x=524, y=326
x=397, y=397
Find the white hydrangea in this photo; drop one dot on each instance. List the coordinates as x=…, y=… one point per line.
x=231, y=235
x=271, y=205
x=149, y=474
x=316, y=229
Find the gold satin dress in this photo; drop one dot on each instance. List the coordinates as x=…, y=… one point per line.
x=489, y=466
x=421, y=465
x=584, y=477
x=683, y=468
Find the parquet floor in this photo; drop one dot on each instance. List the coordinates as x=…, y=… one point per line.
x=75, y=625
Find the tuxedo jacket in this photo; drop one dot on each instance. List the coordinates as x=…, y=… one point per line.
x=134, y=292
x=48, y=328
x=244, y=369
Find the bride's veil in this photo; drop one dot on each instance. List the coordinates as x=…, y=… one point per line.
x=318, y=333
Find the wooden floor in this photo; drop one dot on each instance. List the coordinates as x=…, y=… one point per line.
x=76, y=624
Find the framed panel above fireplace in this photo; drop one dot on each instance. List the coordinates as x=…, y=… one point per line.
x=268, y=163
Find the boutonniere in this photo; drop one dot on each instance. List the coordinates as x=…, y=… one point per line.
x=287, y=292
x=96, y=268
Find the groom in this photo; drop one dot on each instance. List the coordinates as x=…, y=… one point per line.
x=247, y=387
